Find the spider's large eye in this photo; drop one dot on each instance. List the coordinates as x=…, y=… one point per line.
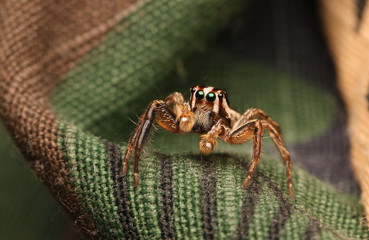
x=200, y=94
x=210, y=97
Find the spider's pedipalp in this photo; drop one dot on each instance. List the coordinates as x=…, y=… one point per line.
x=208, y=141
x=186, y=118
x=207, y=144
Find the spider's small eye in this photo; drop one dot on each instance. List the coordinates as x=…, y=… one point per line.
x=200, y=94
x=210, y=97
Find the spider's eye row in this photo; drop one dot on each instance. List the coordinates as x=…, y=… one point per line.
x=200, y=94
x=210, y=97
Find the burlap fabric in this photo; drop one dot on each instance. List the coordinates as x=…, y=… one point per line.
x=73, y=74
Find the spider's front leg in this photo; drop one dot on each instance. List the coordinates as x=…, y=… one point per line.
x=164, y=116
x=169, y=119
x=252, y=129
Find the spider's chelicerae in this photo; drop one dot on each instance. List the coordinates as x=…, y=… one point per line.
x=209, y=114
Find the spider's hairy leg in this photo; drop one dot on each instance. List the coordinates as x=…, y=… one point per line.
x=182, y=110
x=208, y=141
x=164, y=116
x=250, y=130
x=277, y=139
x=131, y=143
x=174, y=98
x=253, y=113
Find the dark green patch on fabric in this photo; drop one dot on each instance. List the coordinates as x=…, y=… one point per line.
x=187, y=198
x=87, y=163
x=207, y=190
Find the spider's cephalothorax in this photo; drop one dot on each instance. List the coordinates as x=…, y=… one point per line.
x=209, y=114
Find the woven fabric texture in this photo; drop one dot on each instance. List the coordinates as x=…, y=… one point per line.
x=75, y=76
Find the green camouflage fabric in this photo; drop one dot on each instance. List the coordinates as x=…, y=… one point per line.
x=266, y=54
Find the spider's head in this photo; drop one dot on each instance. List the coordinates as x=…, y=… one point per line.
x=208, y=99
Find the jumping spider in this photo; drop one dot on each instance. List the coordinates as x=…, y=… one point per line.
x=209, y=114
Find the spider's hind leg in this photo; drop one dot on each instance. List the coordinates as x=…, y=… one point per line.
x=277, y=139
x=253, y=113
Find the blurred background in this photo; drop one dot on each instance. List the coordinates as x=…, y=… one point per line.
x=27, y=209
